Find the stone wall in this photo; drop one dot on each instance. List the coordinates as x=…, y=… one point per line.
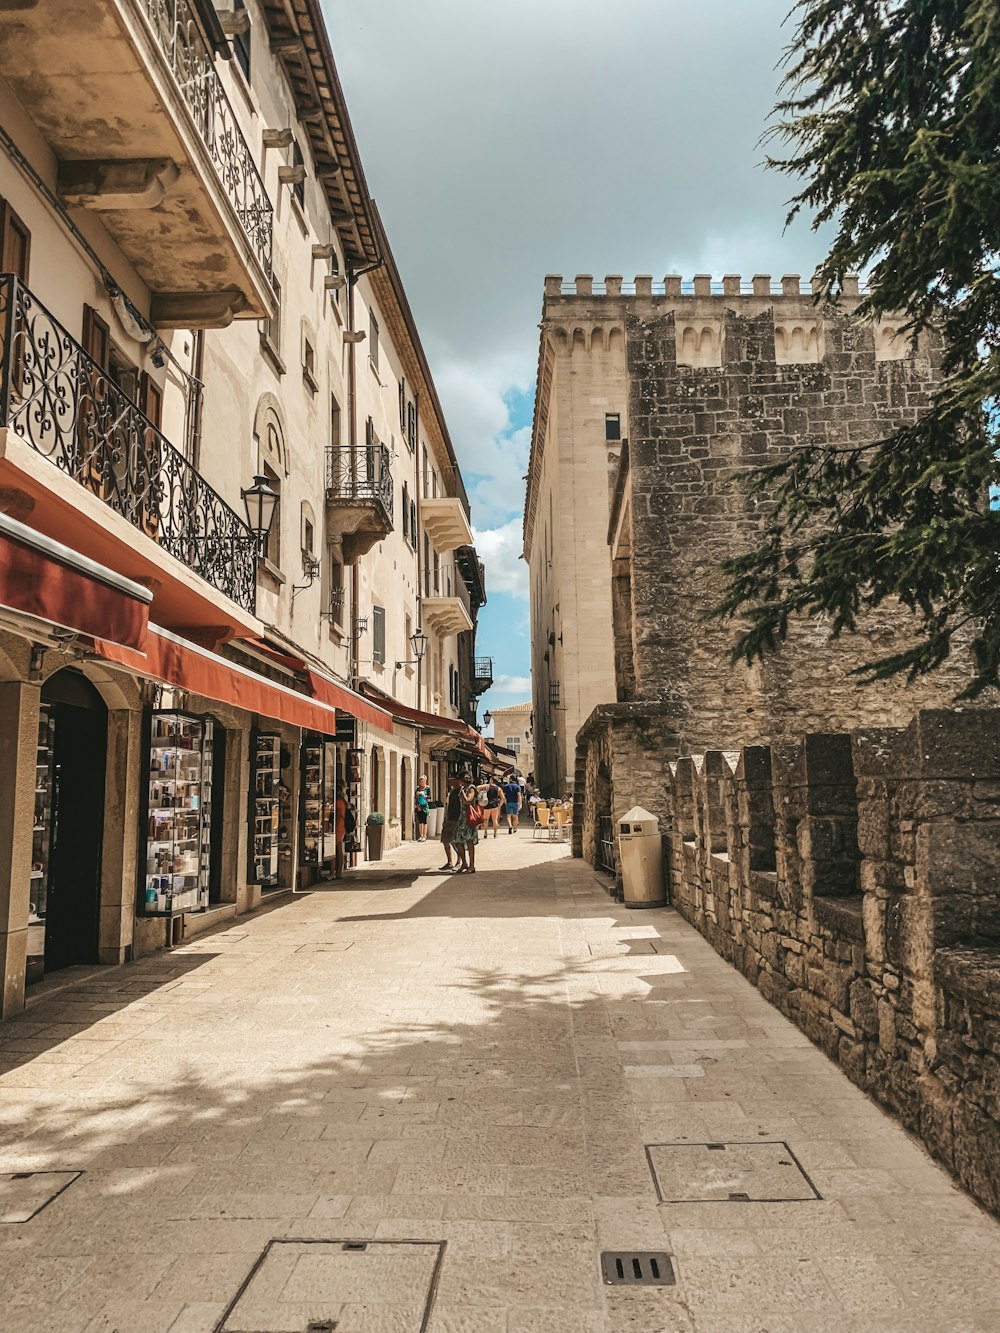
x=761, y=380
x=855, y=879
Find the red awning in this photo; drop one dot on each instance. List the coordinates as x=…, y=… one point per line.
x=339, y=696
x=431, y=722
x=175, y=661
x=50, y=582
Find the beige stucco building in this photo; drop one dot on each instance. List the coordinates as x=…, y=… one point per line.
x=580, y=422
x=200, y=320
x=513, y=728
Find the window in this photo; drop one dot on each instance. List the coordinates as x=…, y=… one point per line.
x=335, y=272
x=307, y=536
x=411, y=426
x=373, y=338
x=378, y=634
x=273, y=548
x=407, y=645
x=15, y=243
x=437, y=575
x=612, y=426
x=425, y=474
x=413, y=524
x=270, y=329
x=309, y=365
x=402, y=404
x=427, y=565
x=451, y=683
x=338, y=591
x=299, y=188
x=514, y=743
x=406, y=513
x=334, y=422
x=241, y=40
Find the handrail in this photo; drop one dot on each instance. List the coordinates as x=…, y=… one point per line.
x=180, y=39
x=69, y=410
x=361, y=473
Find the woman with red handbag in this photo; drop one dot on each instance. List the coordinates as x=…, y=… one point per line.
x=469, y=823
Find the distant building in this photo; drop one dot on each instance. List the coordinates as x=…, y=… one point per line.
x=512, y=728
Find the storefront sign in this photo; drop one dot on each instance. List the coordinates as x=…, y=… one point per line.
x=438, y=755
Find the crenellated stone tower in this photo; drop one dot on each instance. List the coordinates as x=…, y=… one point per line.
x=705, y=379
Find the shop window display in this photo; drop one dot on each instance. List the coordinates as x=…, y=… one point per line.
x=179, y=820
x=265, y=781
x=319, y=785
x=41, y=844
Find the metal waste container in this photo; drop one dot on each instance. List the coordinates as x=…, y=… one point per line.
x=641, y=859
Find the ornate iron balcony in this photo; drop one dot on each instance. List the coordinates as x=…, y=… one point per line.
x=63, y=404
x=361, y=474
x=482, y=674
x=179, y=38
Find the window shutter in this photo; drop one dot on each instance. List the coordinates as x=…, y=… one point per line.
x=378, y=633
x=413, y=523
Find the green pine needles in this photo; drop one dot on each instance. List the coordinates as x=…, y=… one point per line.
x=891, y=115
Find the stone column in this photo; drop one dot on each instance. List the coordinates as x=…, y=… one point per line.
x=18, y=745
x=126, y=772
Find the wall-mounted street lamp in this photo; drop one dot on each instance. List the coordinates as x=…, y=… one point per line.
x=487, y=718
x=418, y=646
x=260, y=503
x=310, y=568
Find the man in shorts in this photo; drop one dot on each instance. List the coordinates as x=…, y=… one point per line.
x=512, y=801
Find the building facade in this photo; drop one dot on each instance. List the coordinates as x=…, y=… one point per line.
x=236, y=566
x=513, y=728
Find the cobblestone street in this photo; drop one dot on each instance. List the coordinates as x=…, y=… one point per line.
x=479, y=1061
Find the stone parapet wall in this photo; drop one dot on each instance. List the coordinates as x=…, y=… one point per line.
x=855, y=880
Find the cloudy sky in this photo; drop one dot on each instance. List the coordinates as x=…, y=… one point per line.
x=504, y=142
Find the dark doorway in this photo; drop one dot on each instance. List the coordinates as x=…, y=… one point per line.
x=80, y=743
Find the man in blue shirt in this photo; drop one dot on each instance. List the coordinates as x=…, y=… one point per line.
x=512, y=801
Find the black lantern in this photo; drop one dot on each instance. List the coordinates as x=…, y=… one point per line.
x=487, y=718
x=418, y=646
x=260, y=503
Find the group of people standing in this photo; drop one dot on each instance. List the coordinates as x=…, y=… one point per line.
x=471, y=808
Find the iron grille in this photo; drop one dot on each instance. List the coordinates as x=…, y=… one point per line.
x=69, y=410
x=482, y=674
x=606, y=844
x=360, y=474
x=554, y=693
x=179, y=38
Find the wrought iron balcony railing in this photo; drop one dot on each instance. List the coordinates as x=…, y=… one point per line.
x=68, y=409
x=482, y=674
x=179, y=38
x=361, y=474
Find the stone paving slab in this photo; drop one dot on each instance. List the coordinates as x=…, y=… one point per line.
x=477, y=1062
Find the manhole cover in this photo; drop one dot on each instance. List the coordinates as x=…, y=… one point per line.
x=761, y=1172
x=637, y=1268
x=303, y=1286
x=23, y=1194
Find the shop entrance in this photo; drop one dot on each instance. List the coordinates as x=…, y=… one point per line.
x=73, y=742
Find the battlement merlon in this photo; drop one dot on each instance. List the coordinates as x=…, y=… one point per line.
x=751, y=293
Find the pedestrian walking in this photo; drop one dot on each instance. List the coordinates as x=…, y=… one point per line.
x=452, y=814
x=467, y=832
x=494, y=799
x=343, y=815
x=512, y=801
x=421, y=806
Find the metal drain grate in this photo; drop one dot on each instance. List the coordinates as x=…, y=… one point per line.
x=637, y=1268
x=758, y=1172
x=23, y=1194
x=323, y=1286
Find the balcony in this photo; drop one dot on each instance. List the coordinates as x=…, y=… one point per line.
x=446, y=523
x=126, y=95
x=482, y=675
x=359, y=498
x=444, y=606
x=81, y=463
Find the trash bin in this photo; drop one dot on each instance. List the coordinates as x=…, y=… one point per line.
x=641, y=857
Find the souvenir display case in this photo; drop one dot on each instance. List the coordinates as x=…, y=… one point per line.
x=41, y=844
x=319, y=784
x=265, y=781
x=179, y=814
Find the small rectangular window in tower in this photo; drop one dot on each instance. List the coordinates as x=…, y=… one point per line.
x=612, y=426
x=309, y=366
x=241, y=37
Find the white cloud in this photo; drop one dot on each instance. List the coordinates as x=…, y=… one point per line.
x=519, y=685
x=500, y=550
